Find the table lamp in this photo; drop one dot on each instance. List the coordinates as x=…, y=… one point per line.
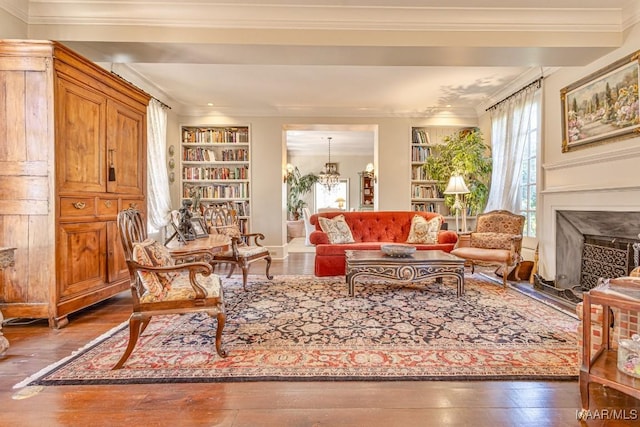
x=457, y=186
x=340, y=202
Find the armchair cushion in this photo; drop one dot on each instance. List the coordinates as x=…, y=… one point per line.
x=180, y=288
x=337, y=229
x=492, y=240
x=423, y=230
x=150, y=253
x=231, y=231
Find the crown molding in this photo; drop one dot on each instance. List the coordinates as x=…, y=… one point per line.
x=17, y=8
x=327, y=15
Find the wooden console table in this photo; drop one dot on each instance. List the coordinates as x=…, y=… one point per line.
x=602, y=367
x=7, y=261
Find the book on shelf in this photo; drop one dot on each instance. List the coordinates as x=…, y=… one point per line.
x=215, y=135
x=420, y=136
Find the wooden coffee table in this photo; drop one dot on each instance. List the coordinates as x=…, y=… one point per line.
x=420, y=266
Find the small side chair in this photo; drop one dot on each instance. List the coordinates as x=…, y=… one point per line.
x=162, y=284
x=496, y=241
x=245, y=247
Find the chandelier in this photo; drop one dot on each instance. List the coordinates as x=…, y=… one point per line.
x=329, y=176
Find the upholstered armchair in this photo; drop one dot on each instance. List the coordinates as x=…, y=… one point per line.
x=162, y=284
x=245, y=247
x=496, y=241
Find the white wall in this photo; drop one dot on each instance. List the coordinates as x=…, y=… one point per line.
x=12, y=27
x=598, y=177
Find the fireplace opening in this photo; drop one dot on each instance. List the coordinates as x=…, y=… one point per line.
x=591, y=245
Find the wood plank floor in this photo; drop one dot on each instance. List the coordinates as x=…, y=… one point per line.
x=403, y=403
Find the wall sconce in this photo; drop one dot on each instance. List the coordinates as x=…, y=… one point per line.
x=370, y=171
x=287, y=172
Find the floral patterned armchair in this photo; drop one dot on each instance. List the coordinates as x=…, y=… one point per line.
x=496, y=241
x=162, y=284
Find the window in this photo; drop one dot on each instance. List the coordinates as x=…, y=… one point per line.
x=528, y=183
x=329, y=199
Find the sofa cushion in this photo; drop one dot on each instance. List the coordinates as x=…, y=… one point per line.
x=337, y=229
x=423, y=230
x=150, y=253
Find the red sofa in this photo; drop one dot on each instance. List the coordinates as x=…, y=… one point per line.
x=370, y=229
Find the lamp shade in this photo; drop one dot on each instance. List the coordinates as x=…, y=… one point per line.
x=456, y=185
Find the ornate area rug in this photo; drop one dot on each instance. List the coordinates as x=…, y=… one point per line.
x=299, y=328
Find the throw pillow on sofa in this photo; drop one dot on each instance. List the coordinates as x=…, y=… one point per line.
x=337, y=229
x=423, y=230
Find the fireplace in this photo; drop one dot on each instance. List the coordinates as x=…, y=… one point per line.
x=591, y=245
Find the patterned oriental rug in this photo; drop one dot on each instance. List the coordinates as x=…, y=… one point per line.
x=303, y=328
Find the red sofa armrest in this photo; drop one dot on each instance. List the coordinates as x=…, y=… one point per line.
x=318, y=238
x=447, y=236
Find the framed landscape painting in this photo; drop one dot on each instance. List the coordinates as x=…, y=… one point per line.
x=603, y=106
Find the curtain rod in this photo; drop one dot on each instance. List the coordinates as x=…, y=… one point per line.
x=151, y=96
x=536, y=82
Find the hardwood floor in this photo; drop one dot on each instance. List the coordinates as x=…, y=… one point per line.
x=402, y=403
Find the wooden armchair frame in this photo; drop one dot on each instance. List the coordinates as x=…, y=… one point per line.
x=132, y=230
x=245, y=247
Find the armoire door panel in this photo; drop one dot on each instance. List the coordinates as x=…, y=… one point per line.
x=126, y=130
x=117, y=266
x=82, y=251
x=80, y=148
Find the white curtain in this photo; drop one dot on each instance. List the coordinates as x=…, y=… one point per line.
x=510, y=128
x=158, y=196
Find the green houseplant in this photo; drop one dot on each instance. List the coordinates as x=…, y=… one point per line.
x=466, y=154
x=299, y=185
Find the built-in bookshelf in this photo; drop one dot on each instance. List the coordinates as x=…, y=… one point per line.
x=425, y=195
x=216, y=164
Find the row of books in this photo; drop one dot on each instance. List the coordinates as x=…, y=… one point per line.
x=420, y=154
x=420, y=136
x=419, y=174
x=215, y=135
x=426, y=207
x=218, y=191
x=200, y=154
x=204, y=173
x=425, y=192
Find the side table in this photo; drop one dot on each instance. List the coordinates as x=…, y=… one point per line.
x=601, y=367
x=7, y=261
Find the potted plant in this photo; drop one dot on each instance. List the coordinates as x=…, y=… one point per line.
x=299, y=185
x=466, y=154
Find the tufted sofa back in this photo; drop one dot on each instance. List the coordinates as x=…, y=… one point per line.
x=376, y=226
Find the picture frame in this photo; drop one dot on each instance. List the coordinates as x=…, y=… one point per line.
x=603, y=106
x=331, y=167
x=199, y=227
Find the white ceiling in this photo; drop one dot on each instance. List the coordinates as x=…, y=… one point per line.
x=437, y=59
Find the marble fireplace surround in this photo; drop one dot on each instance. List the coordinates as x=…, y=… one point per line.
x=622, y=202
x=616, y=228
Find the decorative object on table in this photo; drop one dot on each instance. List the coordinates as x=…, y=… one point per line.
x=340, y=201
x=523, y=339
x=186, y=229
x=398, y=250
x=175, y=225
x=199, y=227
x=462, y=153
x=456, y=186
x=298, y=186
x=629, y=356
x=603, y=106
x=329, y=176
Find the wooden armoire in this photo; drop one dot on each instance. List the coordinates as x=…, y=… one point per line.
x=72, y=154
